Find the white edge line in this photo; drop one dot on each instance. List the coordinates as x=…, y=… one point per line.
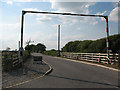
x=49, y=66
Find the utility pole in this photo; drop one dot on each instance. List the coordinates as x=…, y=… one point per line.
x=58, y=40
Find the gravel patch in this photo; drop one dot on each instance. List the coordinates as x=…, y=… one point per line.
x=32, y=70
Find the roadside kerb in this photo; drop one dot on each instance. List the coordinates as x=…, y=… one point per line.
x=50, y=70
x=47, y=72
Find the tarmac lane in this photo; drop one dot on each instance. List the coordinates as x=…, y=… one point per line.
x=69, y=74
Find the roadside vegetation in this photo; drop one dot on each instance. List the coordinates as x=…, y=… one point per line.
x=7, y=60
x=7, y=56
x=26, y=55
x=96, y=46
x=51, y=52
x=39, y=48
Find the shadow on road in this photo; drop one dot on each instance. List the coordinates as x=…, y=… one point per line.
x=83, y=81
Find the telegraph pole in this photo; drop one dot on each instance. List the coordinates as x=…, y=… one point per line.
x=58, y=40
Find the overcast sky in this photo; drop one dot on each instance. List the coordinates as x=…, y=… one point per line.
x=43, y=28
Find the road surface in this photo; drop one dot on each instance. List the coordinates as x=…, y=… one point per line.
x=69, y=74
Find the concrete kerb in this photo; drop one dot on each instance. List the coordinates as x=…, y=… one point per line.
x=90, y=64
x=50, y=70
x=47, y=72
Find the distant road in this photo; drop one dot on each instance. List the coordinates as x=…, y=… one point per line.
x=68, y=74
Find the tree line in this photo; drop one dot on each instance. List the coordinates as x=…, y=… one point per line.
x=39, y=48
x=94, y=46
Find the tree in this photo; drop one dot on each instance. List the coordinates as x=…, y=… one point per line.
x=8, y=49
x=97, y=46
x=30, y=48
x=35, y=48
x=40, y=48
x=29, y=41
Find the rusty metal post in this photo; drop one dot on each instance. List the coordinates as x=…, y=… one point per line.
x=71, y=14
x=19, y=52
x=22, y=23
x=21, y=49
x=107, y=38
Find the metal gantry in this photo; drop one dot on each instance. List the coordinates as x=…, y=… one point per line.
x=69, y=14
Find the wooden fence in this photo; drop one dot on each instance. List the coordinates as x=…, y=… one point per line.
x=94, y=57
x=11, y=56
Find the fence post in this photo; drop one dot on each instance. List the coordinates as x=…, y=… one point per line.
x=77, y=57
x=12, y=60
x=92, y=56
x=81, y=56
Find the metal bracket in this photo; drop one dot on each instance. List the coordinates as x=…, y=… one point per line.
x=106, y=17
x=24, y=12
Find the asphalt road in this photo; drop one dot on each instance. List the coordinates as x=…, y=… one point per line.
x=68, y=74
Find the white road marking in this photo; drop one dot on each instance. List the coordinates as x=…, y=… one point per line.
x=24, y=82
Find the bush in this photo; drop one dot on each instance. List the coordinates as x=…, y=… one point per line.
x=7, y=61
x=7, y=65
x=26, y=55
x=39, y=48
